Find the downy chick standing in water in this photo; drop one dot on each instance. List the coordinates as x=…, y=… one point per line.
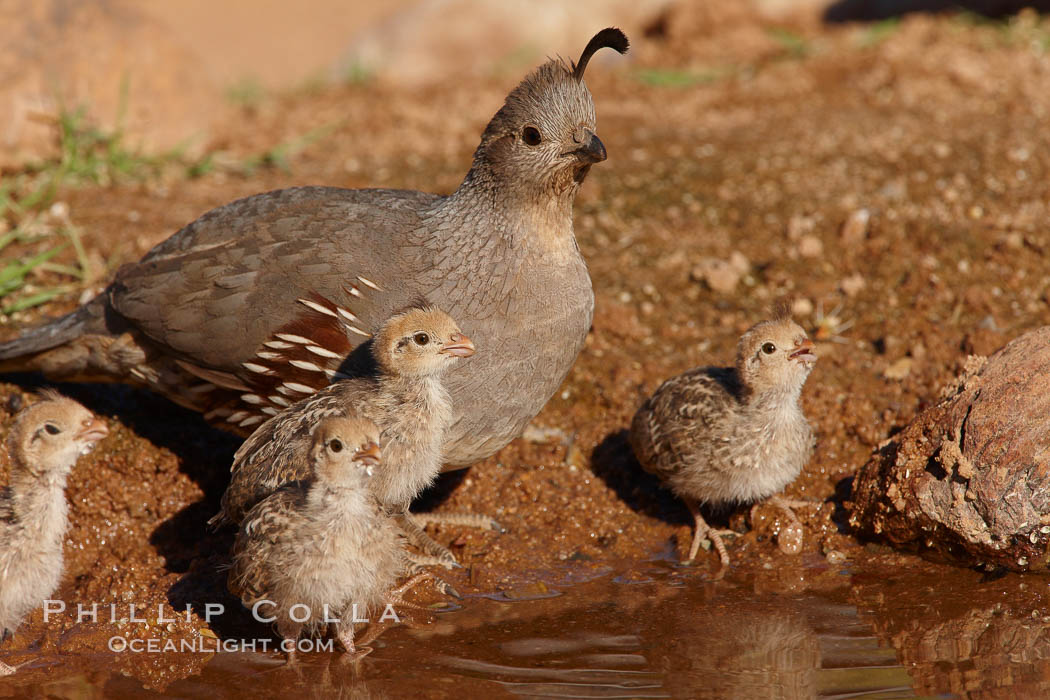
x=322, y=549
x=731, y=435
x=44, y=444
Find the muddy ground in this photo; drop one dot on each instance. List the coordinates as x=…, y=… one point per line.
x=761, y=146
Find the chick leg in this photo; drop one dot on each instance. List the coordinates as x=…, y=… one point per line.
x=6, y=670
x=481, y=522
x=704, y=531
x=433, y=553
x=290, y=631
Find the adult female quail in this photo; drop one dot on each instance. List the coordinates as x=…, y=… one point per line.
x=277, y=289
x=734, y=434
x=320, y=549
x=44, y=444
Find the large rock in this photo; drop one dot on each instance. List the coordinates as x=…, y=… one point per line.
x=106, y=57
x=969, y=479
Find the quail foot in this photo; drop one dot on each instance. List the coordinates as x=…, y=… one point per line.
x=269, y=294
x=321, y=549
x=44, y=444
x=731, y=435
x=407, y=400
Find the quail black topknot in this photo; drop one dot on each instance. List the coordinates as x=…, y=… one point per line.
x=320, y=549
x=406, y=399
x=266, y=296
x=44, y=444
x=731, y=435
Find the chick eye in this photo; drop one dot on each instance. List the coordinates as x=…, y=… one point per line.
x=52, y=429
x=531, y=136
x=421, y=338
x=336, y=445
x=769, y=348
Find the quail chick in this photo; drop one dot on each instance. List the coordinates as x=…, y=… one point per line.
x=45, y=442
x=731, y=435
x=407, y=400
x=278, y=288
x=323, y=542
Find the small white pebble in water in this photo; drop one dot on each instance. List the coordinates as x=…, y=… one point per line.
x=835, y=557
x=1033, y=538
x=565, y=394
x=1023, y=561
x=625, y=297
x=789, y=539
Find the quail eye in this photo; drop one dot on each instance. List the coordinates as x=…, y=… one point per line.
x=769, y=348
x=52, y=429
x=531, y=136
x=336, y=445
x=421, y=338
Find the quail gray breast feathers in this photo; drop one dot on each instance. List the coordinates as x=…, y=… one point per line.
x=44, y=444
x=406, y=399
x=265, y=297
x=321, y=544
x=731, y=435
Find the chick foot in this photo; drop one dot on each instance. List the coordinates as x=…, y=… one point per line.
x=704, y=531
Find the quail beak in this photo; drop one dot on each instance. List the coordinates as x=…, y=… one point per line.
x=368, y=455
x=804, y=352
x=91, y=433
x=591, y=149
x=458, y=345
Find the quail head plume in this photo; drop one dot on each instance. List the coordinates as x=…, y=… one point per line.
x=267, y=296
x=731, y=435
x=44, y=444
x=322, y=543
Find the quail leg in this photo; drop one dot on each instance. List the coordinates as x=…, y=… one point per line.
x=290, y=632
x=433, y=554
x=6, y=670
x=345, y=634
x=702, y=531
x=481, y=522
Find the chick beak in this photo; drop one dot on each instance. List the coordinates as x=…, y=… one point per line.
x=804, y=352
x=368, y=455
x=458, y=345
x=91, y=433
x=591, y=149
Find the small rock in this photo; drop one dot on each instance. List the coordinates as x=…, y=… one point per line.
x=801, y=307
x=899, y=369
x=855, y=227
x=810, y=247
x=720, y=275
x=789, y=539
x=852, y=285
x=835, y=557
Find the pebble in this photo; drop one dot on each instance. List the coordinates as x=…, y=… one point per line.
x=810, y=247
x=852, y=285
x=855, y=227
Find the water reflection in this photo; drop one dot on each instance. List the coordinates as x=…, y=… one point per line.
x=652, y=631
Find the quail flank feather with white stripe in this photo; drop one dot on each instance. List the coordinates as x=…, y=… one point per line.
x=240, y=301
